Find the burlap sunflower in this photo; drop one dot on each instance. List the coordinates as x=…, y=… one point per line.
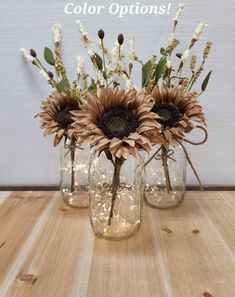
x=56, y=116
x=116, y=121
x=178, y=113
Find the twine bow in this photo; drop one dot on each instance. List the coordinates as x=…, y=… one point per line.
x=72, y=146
x=187, y=155
x=167, y=154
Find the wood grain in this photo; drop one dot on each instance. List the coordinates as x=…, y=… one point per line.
x=18, y=214
x=221, y=213
x=196, y=262
x=28, y=159
x=48, y=249
x=125, y=267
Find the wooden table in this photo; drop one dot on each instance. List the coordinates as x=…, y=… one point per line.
x=48, y=250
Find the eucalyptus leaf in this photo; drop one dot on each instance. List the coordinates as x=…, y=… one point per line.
x=48, y=55
x=63, y=85
x=146, y=72
x=99, y=62
x=206, y=81
x=159, y=69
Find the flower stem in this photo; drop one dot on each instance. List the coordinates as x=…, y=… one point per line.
x=116, y=182
x=153, y=156
x=104, y=64
x=39, y=64
x=166, y=169
x=191, y=164
x=72, y=155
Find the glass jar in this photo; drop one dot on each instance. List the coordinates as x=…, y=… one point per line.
x=116, y=195
x=165, y=177
x=74, y=167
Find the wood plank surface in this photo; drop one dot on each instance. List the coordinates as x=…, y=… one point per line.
x=48, y=249
x=18, y=214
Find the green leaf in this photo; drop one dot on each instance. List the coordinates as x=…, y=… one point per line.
x=159, y=69
x=63, y=85
x=99, y=62
x=206, y=81
x=93, y=86
x=48, y=55
x=146, y=72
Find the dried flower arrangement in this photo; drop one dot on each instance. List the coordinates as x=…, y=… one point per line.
x=110, y=113
x=112, y=119
x=56, y=117
x=108, y=117
x=175, y=102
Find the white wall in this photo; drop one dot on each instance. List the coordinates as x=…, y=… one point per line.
x=28, y=159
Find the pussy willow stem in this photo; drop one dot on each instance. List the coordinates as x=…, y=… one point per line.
x=119, y=58
x=166, y=169
x=116, y=182
x=40, y=66
x=104, y=64
x=180, y=68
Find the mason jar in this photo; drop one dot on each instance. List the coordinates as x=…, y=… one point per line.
x=165, y=177
x=116, y=194
x=74, y=167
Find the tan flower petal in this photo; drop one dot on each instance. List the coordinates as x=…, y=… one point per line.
x=188, y=106
x=138, y=103
x=55, y=103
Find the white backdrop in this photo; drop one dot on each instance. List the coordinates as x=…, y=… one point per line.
x=28, y=159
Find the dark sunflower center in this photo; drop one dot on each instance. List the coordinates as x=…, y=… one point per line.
x=169, y=113
x=117, y=122
x=64, y=117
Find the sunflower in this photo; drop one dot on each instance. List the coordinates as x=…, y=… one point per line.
x=116, y=121
x=56, y=116
x=177, y=113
